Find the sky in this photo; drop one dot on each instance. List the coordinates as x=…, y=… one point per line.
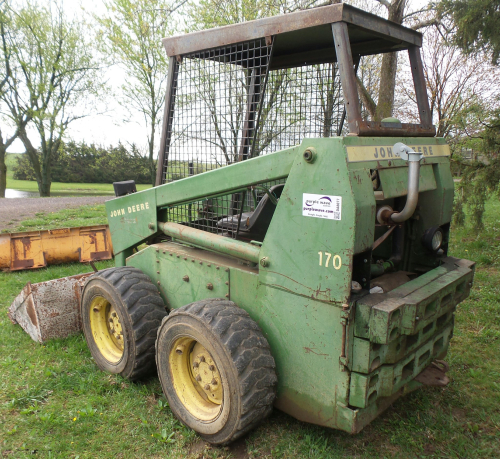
x=110, y=128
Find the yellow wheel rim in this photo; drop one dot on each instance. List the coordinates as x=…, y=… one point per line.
x=106, y=329
x=196, y=379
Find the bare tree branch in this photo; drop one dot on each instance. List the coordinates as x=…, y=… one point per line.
x=386, y=3
x=365, y=97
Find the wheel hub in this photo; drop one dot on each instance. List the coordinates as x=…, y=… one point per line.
x=206, y=374
x=106, y=329
x=196, y=379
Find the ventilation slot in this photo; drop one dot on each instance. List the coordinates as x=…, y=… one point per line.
x=423, y=358
x=408, y=370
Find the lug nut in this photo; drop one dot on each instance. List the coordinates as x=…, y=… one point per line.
x=196, y=365
x=113, y=314
x=214, y=382
x=110, y=320
x=198, y=378
x=211, y=367
x=210, y=286
x=207, y=387
x=185, y=278
x=202, y=358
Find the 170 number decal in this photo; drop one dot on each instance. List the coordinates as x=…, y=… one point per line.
x=335, y=259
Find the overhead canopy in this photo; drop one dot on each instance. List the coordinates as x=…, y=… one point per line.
x=304, y=36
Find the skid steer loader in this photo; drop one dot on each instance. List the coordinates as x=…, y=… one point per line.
x=293, y=253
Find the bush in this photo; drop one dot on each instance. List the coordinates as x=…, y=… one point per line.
x=82, y=163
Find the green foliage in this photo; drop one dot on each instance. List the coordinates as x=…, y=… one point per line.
x=207, y=14
x=478, y=25
x=480, y=173
x=82, y=163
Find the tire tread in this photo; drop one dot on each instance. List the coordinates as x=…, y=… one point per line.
x=250, y=354
x=145, y=310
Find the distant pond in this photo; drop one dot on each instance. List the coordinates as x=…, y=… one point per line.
x=11, y=193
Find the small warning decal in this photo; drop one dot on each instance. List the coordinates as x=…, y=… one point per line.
x=322, y=206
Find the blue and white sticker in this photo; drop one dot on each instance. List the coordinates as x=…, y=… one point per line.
x=322, y=206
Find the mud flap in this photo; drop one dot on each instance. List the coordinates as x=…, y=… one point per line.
x=51, y=309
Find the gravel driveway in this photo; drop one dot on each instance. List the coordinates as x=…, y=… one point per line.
x=15, y=210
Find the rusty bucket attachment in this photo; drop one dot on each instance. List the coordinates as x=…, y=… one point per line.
x=49, y=310
x=37, y=249
x=435, y=374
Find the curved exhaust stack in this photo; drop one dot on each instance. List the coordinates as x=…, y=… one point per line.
x=413, y=158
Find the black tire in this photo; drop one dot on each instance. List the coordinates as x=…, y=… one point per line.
x=240, y=357
x=126, y=346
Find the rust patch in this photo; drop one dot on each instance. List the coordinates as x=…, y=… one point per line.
x=103, y=255
x=312, y=351
x=22, y=264
x=49, y=309
x=26, y=241
x=93, y=237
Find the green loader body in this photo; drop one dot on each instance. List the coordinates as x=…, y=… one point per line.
x=300, y=249
x=342, y=356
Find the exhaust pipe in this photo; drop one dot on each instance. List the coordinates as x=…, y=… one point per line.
x=413, y=158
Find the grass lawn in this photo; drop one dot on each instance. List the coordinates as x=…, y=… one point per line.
x=59, y=189
x=80, y=216
x=54, y=402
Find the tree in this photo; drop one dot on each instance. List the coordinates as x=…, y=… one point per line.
x=134, y=29
x=477, y=25
x=398, y=11
x=207, y=14
x=480, y=172
x=455, y=84
x=53, y=72
x=6, y=31
x=477, y=33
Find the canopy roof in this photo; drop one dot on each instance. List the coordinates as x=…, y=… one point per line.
x=304, y=36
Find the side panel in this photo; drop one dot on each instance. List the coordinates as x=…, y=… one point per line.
x=132, y=219
x=305, y=335
x=306, y=339
x=312, y=255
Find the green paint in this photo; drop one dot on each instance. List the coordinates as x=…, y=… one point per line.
x=297, y=295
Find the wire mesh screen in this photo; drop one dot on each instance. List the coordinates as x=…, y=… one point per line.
x=215, y=105
x=245, y=214
x=228, y=106
x=299, y=103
